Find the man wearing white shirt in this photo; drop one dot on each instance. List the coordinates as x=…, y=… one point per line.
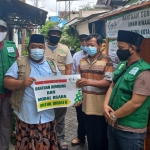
x=76, y=59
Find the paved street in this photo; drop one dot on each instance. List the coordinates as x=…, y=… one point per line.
x=71, y=128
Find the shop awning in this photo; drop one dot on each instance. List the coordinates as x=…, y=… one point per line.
x=21, y=15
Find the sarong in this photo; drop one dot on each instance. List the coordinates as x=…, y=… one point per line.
x=36, y=136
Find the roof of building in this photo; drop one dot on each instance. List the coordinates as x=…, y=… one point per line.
x=128, y=8
x=21, y=15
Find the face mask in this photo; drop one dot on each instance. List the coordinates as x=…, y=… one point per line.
x=91, y=51
x=54, y=39
x=123, y=54
x=36, y=54
x=84, y=48
x=2, y=36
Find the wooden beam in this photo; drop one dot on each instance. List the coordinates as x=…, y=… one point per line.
x=23, y=36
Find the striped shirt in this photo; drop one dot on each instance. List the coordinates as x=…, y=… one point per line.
x=100, y=69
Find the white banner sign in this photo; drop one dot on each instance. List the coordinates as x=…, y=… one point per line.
x=112, y=50
x=57, y=91
x=138, y=21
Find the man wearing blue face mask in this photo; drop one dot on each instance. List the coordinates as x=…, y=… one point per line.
x=96, y=75
x=63, y=58
x=35, y=130
x=76, y=59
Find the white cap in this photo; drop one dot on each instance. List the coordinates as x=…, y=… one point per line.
x=3, y=23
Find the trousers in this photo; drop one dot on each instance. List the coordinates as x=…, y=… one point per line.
x=96, y=129
x=6, y=118
x=60, y=114
x=122, y=140
x=81, y=132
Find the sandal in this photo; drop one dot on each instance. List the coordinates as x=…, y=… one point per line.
x=62, y=143
x=76, y=141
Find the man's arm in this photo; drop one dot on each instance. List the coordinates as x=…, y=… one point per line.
x=68, y=69
x=130, y=106
x=140, y=93
x=68, y=65
x=12, y=84
x=74, y=67
x=108, y=109
x=99, y=83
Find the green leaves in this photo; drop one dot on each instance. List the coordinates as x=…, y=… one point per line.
x=46, y=27
x=70, y=38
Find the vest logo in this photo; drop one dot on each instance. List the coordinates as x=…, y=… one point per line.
x=134, y=70
x=51, y=63
x=61, y=51
x=10, y=49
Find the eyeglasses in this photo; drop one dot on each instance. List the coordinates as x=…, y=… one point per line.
x=82, y=40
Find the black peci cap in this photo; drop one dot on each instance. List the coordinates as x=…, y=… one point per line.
x=130, y=37
x=37, y=38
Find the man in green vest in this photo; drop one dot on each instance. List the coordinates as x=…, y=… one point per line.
x=127, y=102
x=8, y=54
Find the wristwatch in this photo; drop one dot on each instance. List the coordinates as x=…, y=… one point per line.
x=112, y=117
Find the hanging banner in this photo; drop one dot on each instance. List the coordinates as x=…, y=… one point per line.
x=57, y=91
x=112, y=50
x=137, y=21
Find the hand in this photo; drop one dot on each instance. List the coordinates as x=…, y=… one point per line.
x=112, y=121
x=27, y=82
x=82, y=82
x=77, y=104
x=107, y=111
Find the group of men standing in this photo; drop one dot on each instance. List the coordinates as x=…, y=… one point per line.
x=114, y=110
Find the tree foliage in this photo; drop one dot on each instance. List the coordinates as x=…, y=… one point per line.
x=87, y=7
x=46, y=27
x=70, y=38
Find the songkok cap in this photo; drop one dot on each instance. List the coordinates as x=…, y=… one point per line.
x=84, y=35
x=55, y=28
x=3, y=23
x=37, y=38
x=130, y=37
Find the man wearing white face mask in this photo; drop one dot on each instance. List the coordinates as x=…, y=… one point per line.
x=35, y=130
x=8, y=54
x=96, y=75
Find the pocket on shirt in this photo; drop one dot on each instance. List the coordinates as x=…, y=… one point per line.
x=61, y=58
x=11, y=58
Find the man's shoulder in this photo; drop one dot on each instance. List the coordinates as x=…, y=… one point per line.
x=63, y=46
x=78, y=53
x=105, y=56
x=10, y=42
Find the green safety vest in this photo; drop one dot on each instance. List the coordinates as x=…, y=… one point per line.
x=124, y=79
x=7, y=58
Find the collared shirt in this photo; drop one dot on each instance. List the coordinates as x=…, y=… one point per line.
x=93, y=97
x=28, y=112
x=76, y=60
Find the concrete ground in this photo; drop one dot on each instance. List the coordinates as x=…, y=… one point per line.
x=71, y=128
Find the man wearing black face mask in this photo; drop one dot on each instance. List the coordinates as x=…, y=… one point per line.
x=62, y=57
x=127, y=102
